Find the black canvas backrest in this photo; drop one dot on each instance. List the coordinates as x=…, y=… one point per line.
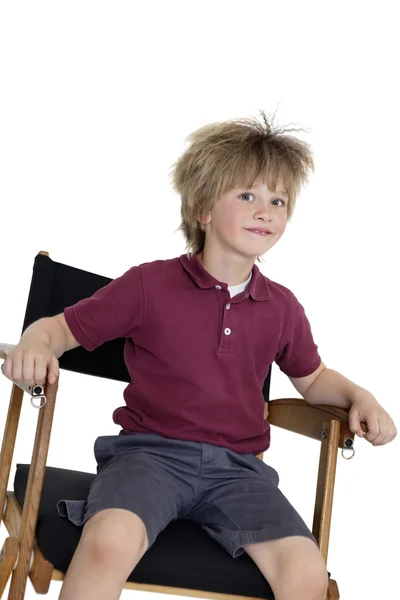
x=55, y=286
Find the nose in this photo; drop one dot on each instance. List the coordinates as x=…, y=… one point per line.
x=264, y=212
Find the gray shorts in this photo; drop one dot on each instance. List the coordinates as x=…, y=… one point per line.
x=234, y=497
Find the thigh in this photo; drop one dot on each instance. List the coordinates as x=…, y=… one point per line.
x=137, y=477
x=290, y=564
x=241, y=503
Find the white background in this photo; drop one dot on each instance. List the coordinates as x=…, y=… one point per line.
x=96, y=100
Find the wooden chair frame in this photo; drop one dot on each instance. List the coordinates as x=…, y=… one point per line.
x=21, y=557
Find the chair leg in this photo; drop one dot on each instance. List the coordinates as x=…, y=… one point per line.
x=42, y=570
x=333, y=590
x=9, y=555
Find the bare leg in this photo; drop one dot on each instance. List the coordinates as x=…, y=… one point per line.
x=112, y=543
x=293, y=567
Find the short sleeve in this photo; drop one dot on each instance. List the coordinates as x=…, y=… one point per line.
x=114, y=311
x=298, y=353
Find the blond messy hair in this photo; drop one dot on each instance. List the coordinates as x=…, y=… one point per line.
x=226, y=155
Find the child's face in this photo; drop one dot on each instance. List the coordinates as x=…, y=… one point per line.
x=242, y=209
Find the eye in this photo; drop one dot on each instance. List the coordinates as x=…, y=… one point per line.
x=275, y=199
x=246, y=194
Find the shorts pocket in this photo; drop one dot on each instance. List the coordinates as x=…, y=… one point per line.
x=272, y=474
x=104, y=450
x=264, y=469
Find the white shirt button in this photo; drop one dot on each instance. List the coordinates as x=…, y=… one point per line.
x=228, y=306
x=227, y=331
x=218, y=287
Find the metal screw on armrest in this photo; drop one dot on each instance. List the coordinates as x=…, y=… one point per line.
x=37, y=392
x=348, y=445
x=324, y=434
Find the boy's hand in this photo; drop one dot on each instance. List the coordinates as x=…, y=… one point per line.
x=381, y=429
x=31, y=363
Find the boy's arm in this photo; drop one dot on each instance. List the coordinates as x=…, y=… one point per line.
x=35, y=356
x=116, y=310
x=332, y=388
x=326, y=387
x=299, y=359
x=56, y=343
x=53, y=332
x=303, y=384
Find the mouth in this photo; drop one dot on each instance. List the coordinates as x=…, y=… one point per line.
x=263, y=233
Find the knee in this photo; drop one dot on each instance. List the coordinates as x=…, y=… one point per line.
x=318, y=586
x=312, y=584
x=110, y=539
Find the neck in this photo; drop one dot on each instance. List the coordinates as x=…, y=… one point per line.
x=229, y=270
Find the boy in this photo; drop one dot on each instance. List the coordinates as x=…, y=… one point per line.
x=202, y=331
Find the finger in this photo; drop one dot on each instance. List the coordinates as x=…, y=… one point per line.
x=378, y=439
x=40, y=370
x=28, y=368
x=355, y=426
x=16, y=368
x=53, y=369
x=386, y=433
x=373, y=431
x=7, y=367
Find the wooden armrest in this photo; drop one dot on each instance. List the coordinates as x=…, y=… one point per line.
x=297, y=415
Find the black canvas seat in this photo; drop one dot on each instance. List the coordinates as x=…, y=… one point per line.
x=183, y=555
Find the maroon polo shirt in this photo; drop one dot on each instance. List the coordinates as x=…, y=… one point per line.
x=197, y=358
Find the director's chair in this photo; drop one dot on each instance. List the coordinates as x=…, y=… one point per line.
x=184, y=560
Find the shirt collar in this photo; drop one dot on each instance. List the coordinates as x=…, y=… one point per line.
x=258, y=287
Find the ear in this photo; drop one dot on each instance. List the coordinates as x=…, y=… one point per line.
x=205, y=219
